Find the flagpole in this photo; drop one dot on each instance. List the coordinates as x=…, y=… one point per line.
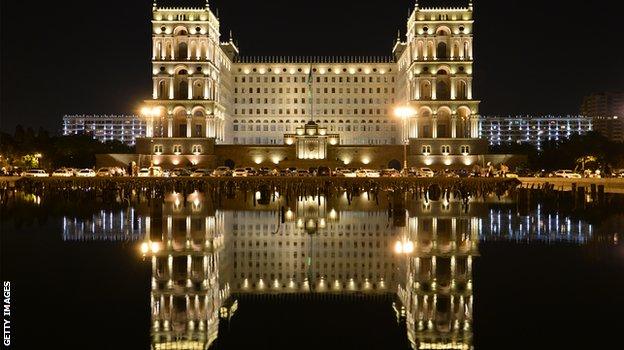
x=311, y=94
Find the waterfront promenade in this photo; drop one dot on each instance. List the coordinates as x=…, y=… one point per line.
x=611, y=185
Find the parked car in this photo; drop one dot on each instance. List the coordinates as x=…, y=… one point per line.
x=107, y=172
x=222, y=171
x=86, y=173
x=567, y=174
x=390, y=173
x=348, y=173
x=323, y=171
x=143, y=172
x=303, y=172
x=201, y=173
x=62, y=172
x=35, y=173
x=251, y=171
x=264, y=171
x=372, y=173
x=239, y=172
x=284, y=172
x=425, y=172
x=176, y=172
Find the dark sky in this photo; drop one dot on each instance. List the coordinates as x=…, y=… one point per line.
x=67, y=57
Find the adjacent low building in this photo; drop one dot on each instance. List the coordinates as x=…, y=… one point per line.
x=123, y=128
x=534, y=130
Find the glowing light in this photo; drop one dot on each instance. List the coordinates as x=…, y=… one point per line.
x=398, y=247
x=155, y=247
x=408, y=247
x=144, y=248
x=404, y=112
x=366, y=160
x=258, y=160
x=332, y=214
x=428, y=160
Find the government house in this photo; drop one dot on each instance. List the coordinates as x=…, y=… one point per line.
x=212, y=105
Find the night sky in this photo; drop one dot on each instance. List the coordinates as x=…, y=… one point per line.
x=70, y=57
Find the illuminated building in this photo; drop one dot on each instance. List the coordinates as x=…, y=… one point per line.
x=122, y=128
x=435, y=66
x=533, y=130
x=607, y=111
x=206, y=96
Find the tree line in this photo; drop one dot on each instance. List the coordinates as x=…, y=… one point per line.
x=568, y=153
x=27, y=148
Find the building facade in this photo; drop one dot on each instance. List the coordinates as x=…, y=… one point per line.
x=533, y=130
x=435, y=66
x=607, y=111
x=350, y=96
x=123, y=128
x=204, y=90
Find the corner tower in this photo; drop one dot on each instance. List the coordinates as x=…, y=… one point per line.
x=190, y=72
x=436, y=68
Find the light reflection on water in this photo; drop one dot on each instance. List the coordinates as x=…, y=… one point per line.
x=204, y=258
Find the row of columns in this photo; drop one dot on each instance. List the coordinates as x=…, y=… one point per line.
x=412, y=127
x=429, y=49
x=416, y=93
x=167, y=49
x=213, y=127
x=209, y=91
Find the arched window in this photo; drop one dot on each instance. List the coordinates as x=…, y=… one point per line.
x=466, y=49
x=442, y=51
x=425, y=90
x=162, y=90
x=198, y=92
x=183, y=90
x=182, y=51
x=461, y=90
x=442, y=91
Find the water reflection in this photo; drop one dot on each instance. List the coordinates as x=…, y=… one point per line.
x=108, y=225
x=185, y=245
x=204, y=256
x=437, y=296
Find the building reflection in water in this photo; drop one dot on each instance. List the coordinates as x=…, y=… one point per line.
x=311, y=248
x=202, y=257
x=106, y=225
x=439, y=247
x=507, y=225
x=185, y=246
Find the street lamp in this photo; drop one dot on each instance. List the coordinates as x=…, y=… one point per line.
x=405, y=112
x=150, y=114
